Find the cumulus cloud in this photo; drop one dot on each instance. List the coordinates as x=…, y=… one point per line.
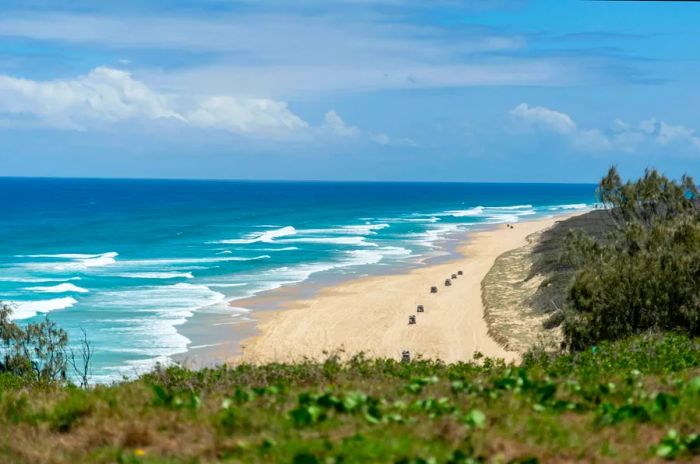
x=666, y=134
x=543, y=118
x=539, y=118
x=244, y=115
x=104, y=94
x=621, y=136
x=107, y=95
x=335, y=125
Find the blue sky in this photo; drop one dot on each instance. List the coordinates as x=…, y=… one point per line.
x=447, y=90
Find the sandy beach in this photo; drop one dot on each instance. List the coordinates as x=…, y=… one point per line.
x=371, y=314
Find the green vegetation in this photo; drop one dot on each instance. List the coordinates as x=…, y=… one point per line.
x=36, y=352
x=632, y=401
x=646, y=274
x=39, y=352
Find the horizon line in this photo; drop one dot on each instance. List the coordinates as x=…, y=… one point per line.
x=346, y=181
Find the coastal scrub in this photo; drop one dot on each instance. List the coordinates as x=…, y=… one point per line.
x=636, y=400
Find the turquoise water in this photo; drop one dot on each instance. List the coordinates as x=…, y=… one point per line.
x=131, y=260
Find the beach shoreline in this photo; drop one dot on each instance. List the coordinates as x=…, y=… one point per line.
x=370, y=314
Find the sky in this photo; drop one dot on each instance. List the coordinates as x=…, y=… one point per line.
x=392, y=90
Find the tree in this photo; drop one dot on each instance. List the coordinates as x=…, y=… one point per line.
x=653, y=197
x=646, y=275
x=37, y=350
x=81, y=366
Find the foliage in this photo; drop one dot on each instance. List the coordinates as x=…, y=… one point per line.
x=674, y=445
x=651, y=199
x=37, y=351
x=592, y=405
x=646, y=276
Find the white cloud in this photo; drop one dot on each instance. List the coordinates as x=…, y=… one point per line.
x=106, y=96
x=383, y=139
x=335, y=125
x=543, y=118
x=622, y=136
x=666, y=134
x=539, y=118
x=249, y=116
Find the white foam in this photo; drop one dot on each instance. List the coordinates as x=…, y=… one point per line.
x=416, y=219
x=365, y=257
x=356, y=232
x=62, y=256
x=365, y=228
x=502, y=218
x=157, y=275
x=435, y=234
x=103, y=259
x=570, y=206
x=77, y=261
x=133, y=368
x=476, y=211
x=357, y=229
x=507, y=217
x=148, y=317
x=516, y=207
x=27, y=309
x=265, y=237
x=36, y=280
x=352, y=240
x=226, y=285
x=173, y=303
x=161, y=261
x=288, y=275
x=491, y=212
x=289, y=248
x=494, y=214
x=60, y=288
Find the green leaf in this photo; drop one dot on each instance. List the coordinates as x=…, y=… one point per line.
x=476, y=419
x=694, y=385
x=306, y=415
x=666, y=451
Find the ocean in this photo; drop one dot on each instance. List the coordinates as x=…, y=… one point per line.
x=130, y=261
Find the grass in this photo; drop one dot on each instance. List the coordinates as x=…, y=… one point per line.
x=636, y=400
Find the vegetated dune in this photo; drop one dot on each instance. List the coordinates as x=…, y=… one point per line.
x=526, y=289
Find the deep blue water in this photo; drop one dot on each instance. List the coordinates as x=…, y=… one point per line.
x=130, y=260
